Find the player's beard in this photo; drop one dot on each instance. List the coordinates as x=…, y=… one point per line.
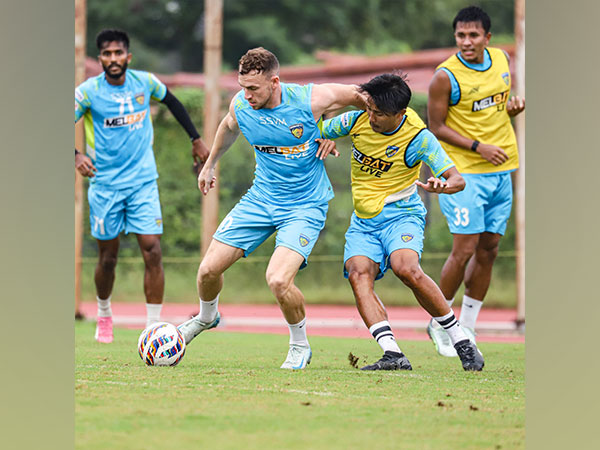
x=117, y=75
x=267, y=100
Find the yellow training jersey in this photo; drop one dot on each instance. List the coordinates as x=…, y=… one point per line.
x=479, y=113
x=384, y=166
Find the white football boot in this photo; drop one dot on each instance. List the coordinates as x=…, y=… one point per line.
x=440, y=339
x=195, y=326
x=297, y=358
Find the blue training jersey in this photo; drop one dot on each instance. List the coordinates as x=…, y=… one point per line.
x=118, y=127
x=287, y=170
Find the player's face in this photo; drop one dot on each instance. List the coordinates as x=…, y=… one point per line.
x=471, y=40
x=114, y=58
x=259, y=88
x=381, y=122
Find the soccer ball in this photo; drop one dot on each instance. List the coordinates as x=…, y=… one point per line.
x=161, y=344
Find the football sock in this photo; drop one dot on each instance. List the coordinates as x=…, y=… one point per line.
x=434, y=323
x=153, y=313
x=382, y=332
x=452, y=327
x=208, y=310
x=469, y=311
x=104, y=309
x=298, y=333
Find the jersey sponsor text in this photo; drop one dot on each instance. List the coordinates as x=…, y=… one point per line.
x=297, y=151
x=122, y=121
x=264, y=120
x=493, y=100
x=374, y=166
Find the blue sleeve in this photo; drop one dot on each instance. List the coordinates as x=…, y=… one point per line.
x=454, y=88
x=341, y=125
x=82, y=101
x=157, y=88
x=425, y=147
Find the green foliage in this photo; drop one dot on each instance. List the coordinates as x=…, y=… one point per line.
x=229, y=393
x=167, y=35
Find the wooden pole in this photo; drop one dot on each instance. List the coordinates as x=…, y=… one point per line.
x=519, y=89
x=80, y=27
x=213, y=37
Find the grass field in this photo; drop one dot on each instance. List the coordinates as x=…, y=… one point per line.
x=228, y=393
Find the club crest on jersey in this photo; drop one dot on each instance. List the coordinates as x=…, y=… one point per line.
x=304, y=240
x=391, y=150
x=406, y=237
x=506, y=77
x=158, y=221
x=297, y=130
x=140, y=98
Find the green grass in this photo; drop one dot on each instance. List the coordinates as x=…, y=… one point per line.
x=228, y=393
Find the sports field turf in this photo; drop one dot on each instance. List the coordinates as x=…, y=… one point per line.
x=228, y=393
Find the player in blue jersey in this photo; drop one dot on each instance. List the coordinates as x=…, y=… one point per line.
x=123, y=193
x=289, y=195
x=389, y=142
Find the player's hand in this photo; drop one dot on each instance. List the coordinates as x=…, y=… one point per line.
x=200, y=154
x=492, y=153
x=363, y=97
x=206, y=179
x=515, y=105
x=434, y=185
x=326, y=147
x=84, y=165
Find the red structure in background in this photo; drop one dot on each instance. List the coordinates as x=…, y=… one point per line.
x=336, y=68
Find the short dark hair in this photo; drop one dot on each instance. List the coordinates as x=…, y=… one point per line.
x=389, y=92
x=106, y=36
x=259, y=59
x=473, y=14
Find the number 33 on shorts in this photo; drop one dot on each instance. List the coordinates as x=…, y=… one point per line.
x=462, y=216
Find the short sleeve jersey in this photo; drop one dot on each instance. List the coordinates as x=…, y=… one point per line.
x=287, y=170
x=383, y=164
x=118, y=127
x=477, y=110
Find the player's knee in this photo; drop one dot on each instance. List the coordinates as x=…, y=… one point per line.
x=462, y=254
x=487, y=255
x=409, y=274
x=152, y=257
x=359, y=277
x=279, y=284
x=207, y=272
x=108, y=263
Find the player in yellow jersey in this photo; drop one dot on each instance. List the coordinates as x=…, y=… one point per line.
x=389, y=142
x=469, y=112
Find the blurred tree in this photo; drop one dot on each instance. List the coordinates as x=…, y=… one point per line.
x=167, y=35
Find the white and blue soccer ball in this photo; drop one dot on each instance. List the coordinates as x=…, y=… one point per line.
x=161, y=344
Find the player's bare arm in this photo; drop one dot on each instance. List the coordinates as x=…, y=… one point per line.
x=84, y=165
x=437, y=110
x=453, y=182
x=330, y=97
x=515, y=105
x=227, y=133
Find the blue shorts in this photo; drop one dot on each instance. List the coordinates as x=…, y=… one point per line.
x=484, y=204
x=398, y=226
x=251, y=222
x=135, y=210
